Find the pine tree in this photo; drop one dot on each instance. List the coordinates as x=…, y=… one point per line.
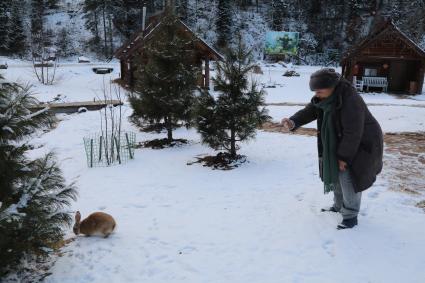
x=183, y=10
x=37, y=13
x=100, y=16
x=235, y=114
x=33, y=192
x=224, y=23
x=164, y=93
x=17, y=39
x=4, y=26
x=278, y=14
x=64, y=43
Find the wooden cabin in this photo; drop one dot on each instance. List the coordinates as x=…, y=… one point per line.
x=133, y=48
x=386, y=59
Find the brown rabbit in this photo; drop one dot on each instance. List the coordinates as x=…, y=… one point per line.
x=96, y=224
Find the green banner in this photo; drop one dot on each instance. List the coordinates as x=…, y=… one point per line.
x=282, y=42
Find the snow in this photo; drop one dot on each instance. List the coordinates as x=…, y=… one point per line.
x=391, y=118
x=68, y=80
x=296, y=89
x=257, y=223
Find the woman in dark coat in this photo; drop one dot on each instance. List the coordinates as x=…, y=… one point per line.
x=350, y=141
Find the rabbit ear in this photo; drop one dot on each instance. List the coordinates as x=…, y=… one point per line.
x=77, y=216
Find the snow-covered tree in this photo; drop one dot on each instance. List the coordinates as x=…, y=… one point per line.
x=17, y=38
x=224, y=23
x=165, y=91
x=4, y=26
x=36, y=16
x=238, y=110
x=64, y=43
x=33, y=193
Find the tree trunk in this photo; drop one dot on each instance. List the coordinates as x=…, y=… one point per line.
x=169, y=127
x=232, y=143
x=104, y=32
x=111, y=39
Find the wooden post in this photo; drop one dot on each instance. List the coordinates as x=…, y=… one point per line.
x=91, y=153
x=207, y=73
x=421, y=78
x=118, y=150
x=128, y=145
x=100, y=148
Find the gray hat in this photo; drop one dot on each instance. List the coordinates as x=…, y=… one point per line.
x=324, y=78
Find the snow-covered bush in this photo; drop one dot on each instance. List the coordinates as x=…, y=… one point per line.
x=33, y=193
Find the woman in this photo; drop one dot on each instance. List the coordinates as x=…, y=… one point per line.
x=350, y=141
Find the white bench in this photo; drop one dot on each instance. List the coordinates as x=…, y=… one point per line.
x=375, y=82
x=358, y=84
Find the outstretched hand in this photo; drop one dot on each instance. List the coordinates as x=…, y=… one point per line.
x=287, y=124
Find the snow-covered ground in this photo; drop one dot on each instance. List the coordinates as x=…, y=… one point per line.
x=73, y=81
x=391, y=118
x=296, y=89
x=257, y=223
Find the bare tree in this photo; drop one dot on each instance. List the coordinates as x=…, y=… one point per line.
x=44, y=59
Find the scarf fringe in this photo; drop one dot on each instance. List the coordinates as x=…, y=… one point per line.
x=330, y=188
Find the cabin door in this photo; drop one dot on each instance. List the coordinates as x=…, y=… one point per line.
x=398, y=81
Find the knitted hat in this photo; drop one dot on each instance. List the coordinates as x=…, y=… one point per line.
x=324, y=78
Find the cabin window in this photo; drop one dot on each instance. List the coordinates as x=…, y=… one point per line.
x=370, y=72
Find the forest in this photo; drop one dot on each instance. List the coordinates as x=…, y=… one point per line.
x=99, y=27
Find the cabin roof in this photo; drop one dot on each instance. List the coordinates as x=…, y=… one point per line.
x=137, y=40
x=387, y=26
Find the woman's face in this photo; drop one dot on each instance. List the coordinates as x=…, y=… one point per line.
x=323, y=93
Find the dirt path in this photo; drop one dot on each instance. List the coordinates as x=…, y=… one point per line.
x=404, y=159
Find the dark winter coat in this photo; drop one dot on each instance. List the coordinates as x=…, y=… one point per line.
x=359, y=136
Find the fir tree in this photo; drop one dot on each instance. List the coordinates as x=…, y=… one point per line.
x=165, y=92
x=64, y=43
x=235, y=114
x=100, y=16
x=33, y=192
x=4, y=26
x=17, y=39
x=278, y=14
x=37, y=13
x=224, y=23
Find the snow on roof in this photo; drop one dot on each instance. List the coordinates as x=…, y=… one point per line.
x=135, y=38
x=203, y=41
x=369, y=38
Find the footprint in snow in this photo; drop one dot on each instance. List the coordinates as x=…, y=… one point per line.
x=187, y=250
x=299, y=197
x=328, y=246
x=373, y=194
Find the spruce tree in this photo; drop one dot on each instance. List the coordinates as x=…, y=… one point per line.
x=235, y=114
x=224, y=23
x=64, y=43
x=17, y=39
x=4, y=26
x=33, y=193
x=37, y=13
x=164, y=92
x=279, y=8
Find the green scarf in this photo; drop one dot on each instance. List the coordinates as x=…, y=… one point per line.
x=329, y=159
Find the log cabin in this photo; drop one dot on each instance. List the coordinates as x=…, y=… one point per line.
x=387, y=59
x=133, y=49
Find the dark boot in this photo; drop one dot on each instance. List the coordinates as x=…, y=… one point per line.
x=347, y=223
x=329, y=209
